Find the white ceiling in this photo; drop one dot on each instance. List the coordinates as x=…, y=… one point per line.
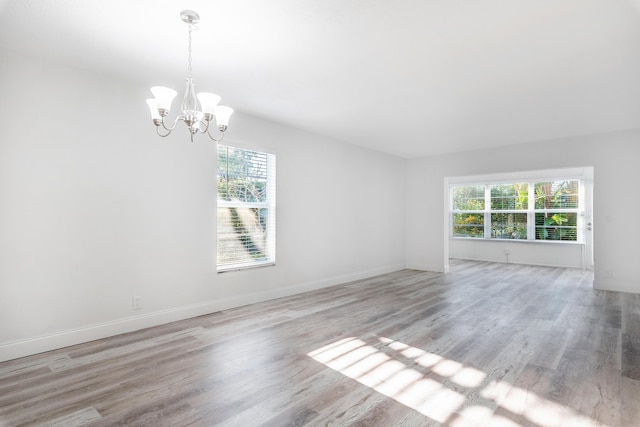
x=408, y=77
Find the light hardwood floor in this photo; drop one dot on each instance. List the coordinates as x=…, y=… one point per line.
x=487, y=344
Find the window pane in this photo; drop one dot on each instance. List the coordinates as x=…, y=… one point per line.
x=509, y=225
x=468, y=198
x=468, y=225
x=242, y=235
x=556, y=226
x=510, y=197
x=242, y=175
x=556, y=194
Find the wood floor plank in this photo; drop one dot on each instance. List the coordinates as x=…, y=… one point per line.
x=79, y=418
x=629, y=406
x=631, y=355
x=486, y=344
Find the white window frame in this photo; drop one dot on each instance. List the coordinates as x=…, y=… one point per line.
x=269, y=204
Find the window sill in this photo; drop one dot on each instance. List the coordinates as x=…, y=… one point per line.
x=537, y=242
x=246, y=267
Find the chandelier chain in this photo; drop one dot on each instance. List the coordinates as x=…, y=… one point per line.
x=189, y=69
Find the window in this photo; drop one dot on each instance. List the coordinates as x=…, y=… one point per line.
x=509, y=205
x=468, y=208
x=534, y=210
x=246, y=208
x=556, y=210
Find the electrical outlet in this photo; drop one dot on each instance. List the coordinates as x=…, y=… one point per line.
x=137, y=302
x=507, y=251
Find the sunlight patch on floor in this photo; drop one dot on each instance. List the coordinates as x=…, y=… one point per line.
x=441, y=391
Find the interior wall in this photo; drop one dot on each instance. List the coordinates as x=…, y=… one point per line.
x=614, y=157
x=551, y=254
x=96, y=209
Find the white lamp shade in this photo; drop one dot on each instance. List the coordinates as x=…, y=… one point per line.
x=223, y=114
x=153, y=107
x=208, y=102
x=164, y=97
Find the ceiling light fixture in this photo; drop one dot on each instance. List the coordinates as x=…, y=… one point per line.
x=197, y=111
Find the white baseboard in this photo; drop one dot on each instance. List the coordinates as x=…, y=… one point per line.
x=429, y=267
x=617, y=286
x=517, y=262
x=34, y=345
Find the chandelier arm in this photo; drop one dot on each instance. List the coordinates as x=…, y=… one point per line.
x=161, y=134
x=203, y=125
x=214, y=138
x=169, y=129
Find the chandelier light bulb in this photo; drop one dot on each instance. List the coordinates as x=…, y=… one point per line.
x=197, y=110
x=164, y=97
x=223, y=114
x=153, y=107
x=208, y=101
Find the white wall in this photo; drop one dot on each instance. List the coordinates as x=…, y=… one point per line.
x=614, y=157
x=553, y=254
x=95, y=208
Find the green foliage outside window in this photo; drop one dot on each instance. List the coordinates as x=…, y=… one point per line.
x=556, y=226
x=242, y=175
x=468, y=198
x=510, y=197
x=468, y=225
x=556, y=195
x=509, y=225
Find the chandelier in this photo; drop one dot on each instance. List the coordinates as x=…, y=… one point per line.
x=197, y=111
